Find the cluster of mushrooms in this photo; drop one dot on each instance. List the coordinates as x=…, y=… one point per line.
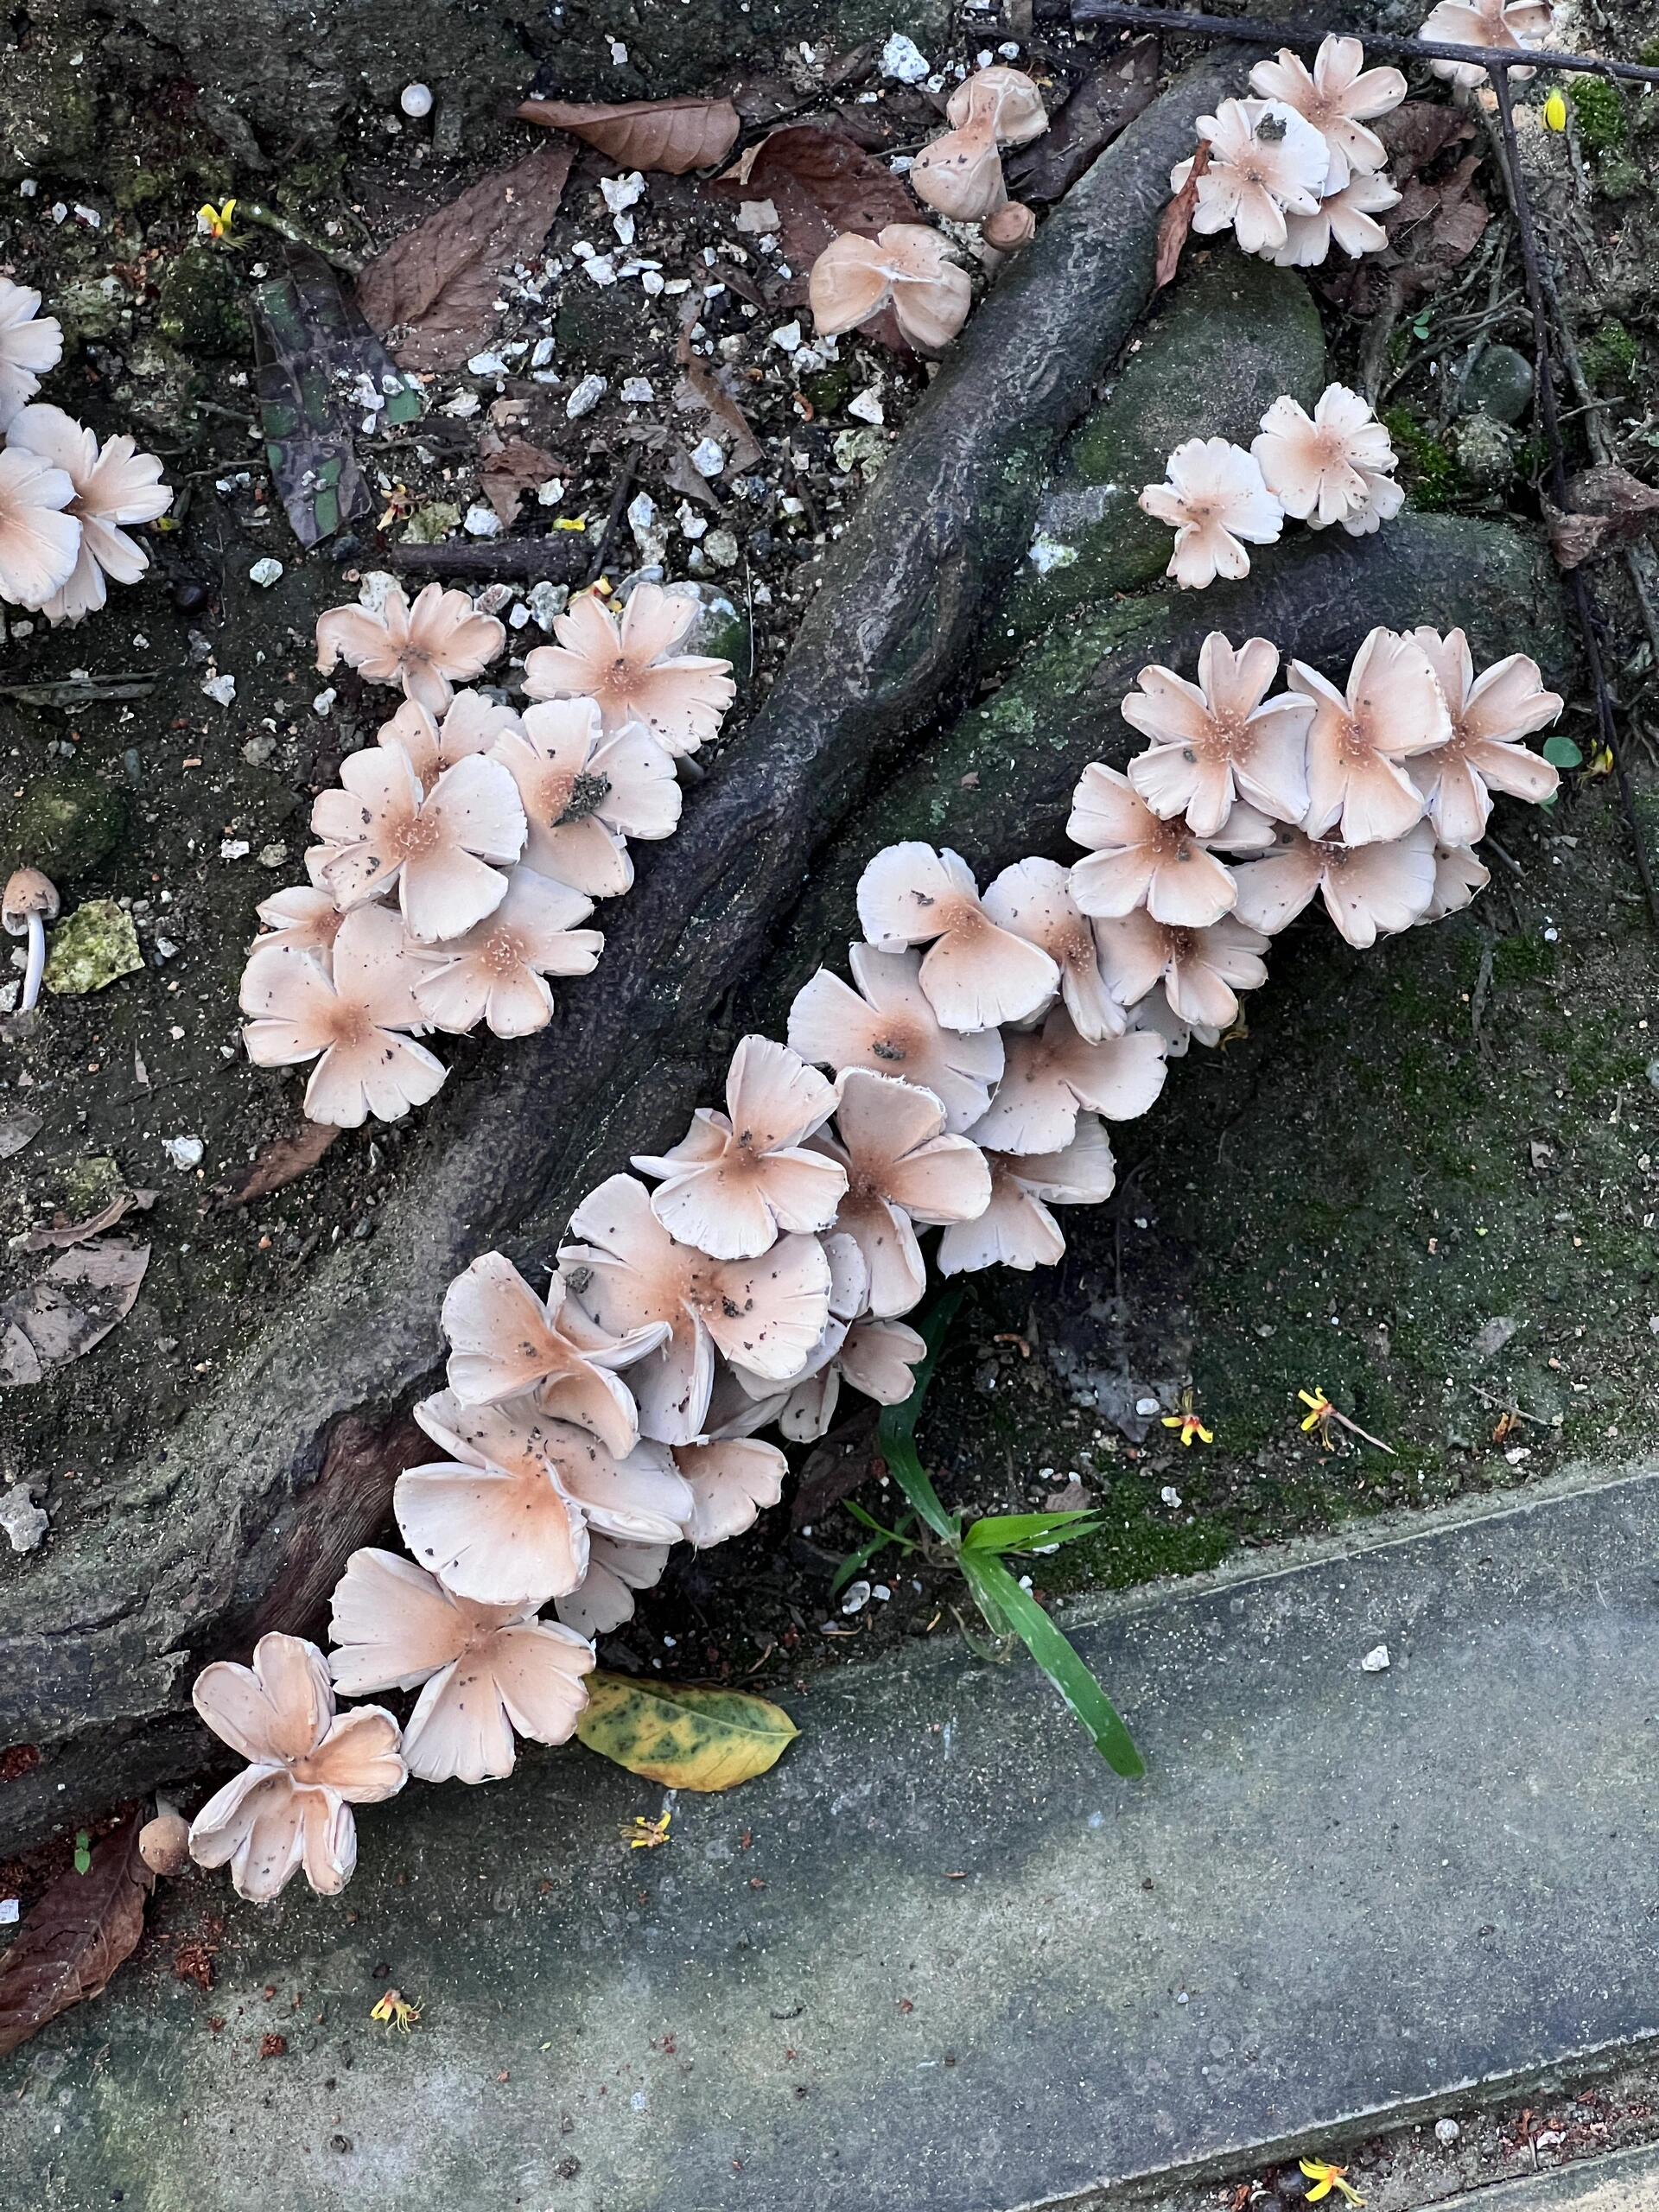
x=63, y=496
x=458, y=857
x=908, y=266
x=962, y=1081
x=1334, y=466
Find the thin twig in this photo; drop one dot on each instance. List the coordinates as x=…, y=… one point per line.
x=1249, y=32
x=620, y=491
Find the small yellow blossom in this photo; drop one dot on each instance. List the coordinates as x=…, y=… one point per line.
x=644, y=1835
x=215, y=222
x=1188, y=1423
x=395, y=2011
x=1325, y=2178
x=1555, y=112
x=570, y=522
x=1320, y=1412
x=1601, y=763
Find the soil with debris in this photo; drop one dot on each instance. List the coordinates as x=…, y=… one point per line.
x=1422, y=1182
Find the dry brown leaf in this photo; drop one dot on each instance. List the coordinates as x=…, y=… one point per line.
x=438, y=283
x=1609, y=508
x=674, y=136
x=513, y=468
x=282, y=1162
x=77, y=1232
x=1176, y=220
x=700, y=388
x=1418, y=132
x=1103, y=105
x=84, y=1928
x=72, y=1306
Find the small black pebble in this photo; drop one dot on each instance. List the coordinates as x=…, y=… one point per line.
x=339, y=2142
x=190, y=598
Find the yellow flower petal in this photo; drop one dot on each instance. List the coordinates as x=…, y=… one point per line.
x=1555, y=112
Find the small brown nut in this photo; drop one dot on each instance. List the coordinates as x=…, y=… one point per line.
x=28, y=892
x=164, y=1842
x=1010, y=228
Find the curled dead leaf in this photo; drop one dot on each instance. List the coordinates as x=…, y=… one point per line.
x=673, y=135
x=84, y=1928
x=1176, y=221
x=63, y=1239
x=283, y=1161
x=69, y=1308
x=1608, y=508
x=699, y=387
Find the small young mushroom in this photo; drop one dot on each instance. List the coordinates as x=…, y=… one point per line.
x=961, y=173
x=30, y=902
x=908, y=266
x=1011, y=227
x=164, y=1842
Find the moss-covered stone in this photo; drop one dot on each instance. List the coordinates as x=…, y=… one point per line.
x=1499, y=385
x=1598, y=110
x=1232, y=335
x=200, y=306
x=93, y=949
x=48, y=109
x=1609, y=356
x=65, y=823
x=1429, y=468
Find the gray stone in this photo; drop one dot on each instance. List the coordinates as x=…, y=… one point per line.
x=1231, y=335
x=940, y=1957
x=1499, y=385
x=1626, y=2182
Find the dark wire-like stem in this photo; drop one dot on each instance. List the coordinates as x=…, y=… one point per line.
x=1251, y=31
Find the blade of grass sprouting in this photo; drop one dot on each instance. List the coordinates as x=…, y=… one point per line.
x=1014, y=1609
x=1022, y=1532
x=880, y=1538
x=895, y=1432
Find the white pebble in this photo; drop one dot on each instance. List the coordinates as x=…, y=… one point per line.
x=220, y=689
x=637, y=392
x=585, y=397
x=481, y=522
x=903, y=60
x=866, y=407
x=184, y=1152
x=264, y=572
x=1377, y=1661
x=1170, y=1495
x=709, y=457
x=857, y=1597
x=416, y=100
x=1446, y=2131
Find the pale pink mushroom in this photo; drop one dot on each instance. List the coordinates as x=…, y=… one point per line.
x=628, y=1272
x=291, y=1805
x=505, y=1519
x=31, y=344
x=297, y=920
x=1034, y=899
x=906, y=267
x=40, y=544
x=1347, y=217
x=1265, y=161
x=1213, y=499
x=496, y=972
x=114, y=484
x=1384, y=497
x=1220, y=740
x=973, y=975
x=470, y=723
x=960, y=174
x=505, y=1341
x=631, y=670
x=1053, y=1075
x=1508, y=25
x=584, y=792
x=902, y=1170
x=850, y=1297
x=730, y=1482
x=435, y=847
x=488, y=1670
x=603, y=1598
x=1356, y=744
x=1459, y=875
x=892, y=1030
x=1138, y=859
x=348, y=1016
x=1320, y=466
x=738, y=1180
x=429, y=648
x=876, y=1358
x=1370, y=890
x=1017, y=1229
x=1491, y=714
x=1338, y=96
x=1201, y=970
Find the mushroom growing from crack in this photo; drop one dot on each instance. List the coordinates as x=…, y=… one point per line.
x=973, y=975
x=906, y=267
x=291, y=1805
x=429, y=647
x=633, y=669
x=29, y=903
x=960, y=174
x=1214, y=498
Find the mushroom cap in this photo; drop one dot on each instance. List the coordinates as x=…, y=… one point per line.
x=1010, y=227
x=1007, y=98
x=28, y=891
x=164, y=1842
x=961, y=173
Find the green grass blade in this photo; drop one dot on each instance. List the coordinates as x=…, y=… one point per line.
x=1024, y=1532
x=1014, y=1609
x=895, y=1432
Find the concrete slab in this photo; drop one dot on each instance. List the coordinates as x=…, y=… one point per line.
x=941, y=1959
x=1627, y=2183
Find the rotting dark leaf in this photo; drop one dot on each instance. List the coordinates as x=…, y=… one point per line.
x=508, y=469
x=84, y=1928
x=1418, y=132
x=77, y=1232
x=1176, y=221
x=283, y=1161
x=700, y=388
x=314, y=354
x=69, y=1308
x=19, y=1127
x=1106, y=102
x=432, y=293
x=1609, y=508
x=673, y=135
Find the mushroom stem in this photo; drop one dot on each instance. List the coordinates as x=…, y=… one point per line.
x=36, y=968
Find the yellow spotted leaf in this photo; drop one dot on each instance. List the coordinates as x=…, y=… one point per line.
x=686, y=1738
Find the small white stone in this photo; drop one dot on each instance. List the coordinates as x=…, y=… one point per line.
x=416, y=100
x=787, y=338
x=481, y=522
x=618, y=53
x=185, y=1153
x=542, y=354
x=1171, y=1496
x=1377, y=1661
x=696, y=525
x=622, y=192
x=866, y=407
x=464, y=406
x=903, y=60
x=585, y=397
x=723, y=549
x=550, y=494
x=234, y=848
x=9, y=1910
x=273, y=856
x=642, y=513
x=709, y=457
x=856, y=1598
x=220, y=689
x=601, y=268
x=486, y=364
x=547, y=601
x=24, y=1524
x=264, y=572
x=638, y=392
x=324, y=702
x=1146, y=1407
x=1446, y=2131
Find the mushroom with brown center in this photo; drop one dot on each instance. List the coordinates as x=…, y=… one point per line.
x=1266, y=163
x=902, y=1170
x=1322, y=468
x=1136, y=858
x=585, y=791
x=1053, y=1075
x=443, y=849
x=1034, y=899
x=1215, y=501
x=114, y=484
x=1221, y=739
x=633, y=670
x=960, y=174
x=1017, y=1229
x=973, y=975
x=1358, y=741
x=428, y=648
x=1370, y=890
x=30, y=902
x=496, y=972
x=887, y=1025
x=1201, y=971
x=1490, y=714
x=1338, y=96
